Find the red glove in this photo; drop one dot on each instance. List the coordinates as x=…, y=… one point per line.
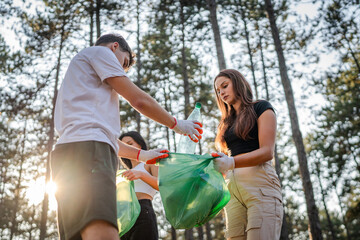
x=190, y=128
x=150, y=156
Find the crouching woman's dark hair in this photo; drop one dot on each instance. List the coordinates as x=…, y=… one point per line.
x=138, y=139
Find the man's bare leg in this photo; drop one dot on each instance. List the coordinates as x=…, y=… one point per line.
x=99, y=230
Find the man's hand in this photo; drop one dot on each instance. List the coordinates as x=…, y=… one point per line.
x=193, y=129
x=150, y=156
x=223, y=163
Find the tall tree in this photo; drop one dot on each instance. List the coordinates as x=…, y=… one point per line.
x=185, y=76
x=313, y=215
x=339, y=22
x=138, y=55
x=98, y=7
x=216, y=32
x=323, y=198
x=337, y=138
x=56, y=29
x=166, y=48
x=90, y=9
x=242, y=8
x=14, y=222
x=243, y=14
x=284, y=231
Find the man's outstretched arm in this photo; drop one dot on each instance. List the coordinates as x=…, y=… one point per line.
x=148, y=106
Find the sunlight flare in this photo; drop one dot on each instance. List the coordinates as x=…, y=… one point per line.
x=35, y=193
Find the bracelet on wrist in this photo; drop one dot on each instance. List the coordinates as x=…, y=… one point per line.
x=137, y=158
x=174, y=123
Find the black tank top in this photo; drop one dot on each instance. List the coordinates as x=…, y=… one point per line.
x=237, y=145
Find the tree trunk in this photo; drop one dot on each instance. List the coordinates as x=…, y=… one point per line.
x=352, y=53
x=14, y=223
x=216, y=32
x=208, y=231
x=189, y=234
x=240, y=7
x=98, y=7
x=184, y=63
x=32, y=223
x=173, y=233
x=4, y=170
x=45, y=204
x=91, y=13
x=138, y=62
x=352, y=150
x=167, y=109
x=264, y=68
x=148, y=130
x=323, y=194
x=200, y=147
x=284, y=235
x=348, y=235
x=172, y=132
x=200, y=232
x=312, y=211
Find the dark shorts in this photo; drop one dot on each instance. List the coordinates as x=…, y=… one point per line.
x=145, y=226
x=84, y=173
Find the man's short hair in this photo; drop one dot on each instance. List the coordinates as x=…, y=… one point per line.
x=113, y=37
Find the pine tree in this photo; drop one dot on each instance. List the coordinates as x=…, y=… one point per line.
x=51, y=28
x=336, y=140
x=314, y=222
x=216, y=32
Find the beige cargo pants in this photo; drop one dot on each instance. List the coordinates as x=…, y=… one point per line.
x=255, y=210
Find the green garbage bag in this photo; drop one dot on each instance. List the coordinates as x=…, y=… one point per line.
x=127, y=205
x=192, y=191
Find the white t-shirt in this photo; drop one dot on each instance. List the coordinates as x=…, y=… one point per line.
x=140, y=185
x=87, y=109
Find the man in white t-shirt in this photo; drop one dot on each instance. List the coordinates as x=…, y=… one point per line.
x=87, y=119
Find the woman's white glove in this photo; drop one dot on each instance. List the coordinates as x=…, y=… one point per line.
x=188, y=127
x=222, y=162
x=150, y=156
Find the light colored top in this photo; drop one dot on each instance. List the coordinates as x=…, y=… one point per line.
x=140, y=185
x=87, y=108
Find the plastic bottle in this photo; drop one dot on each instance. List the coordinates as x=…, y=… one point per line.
x=185, y=144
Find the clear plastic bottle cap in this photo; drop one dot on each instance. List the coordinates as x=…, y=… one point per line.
x=198, y=105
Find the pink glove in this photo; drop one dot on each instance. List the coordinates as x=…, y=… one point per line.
x=222, y=162
x=150, y=156
x=188, y=127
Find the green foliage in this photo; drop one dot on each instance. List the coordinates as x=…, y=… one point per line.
x=336, y=141
x=353, y=211
x=9, y=62
x=296, y=219
x=339, y=121
x=175, y=45
x=339, y=27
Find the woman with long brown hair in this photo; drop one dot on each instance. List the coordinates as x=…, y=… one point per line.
x=246, y=140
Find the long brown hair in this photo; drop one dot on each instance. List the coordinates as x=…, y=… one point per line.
x=245, y=120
